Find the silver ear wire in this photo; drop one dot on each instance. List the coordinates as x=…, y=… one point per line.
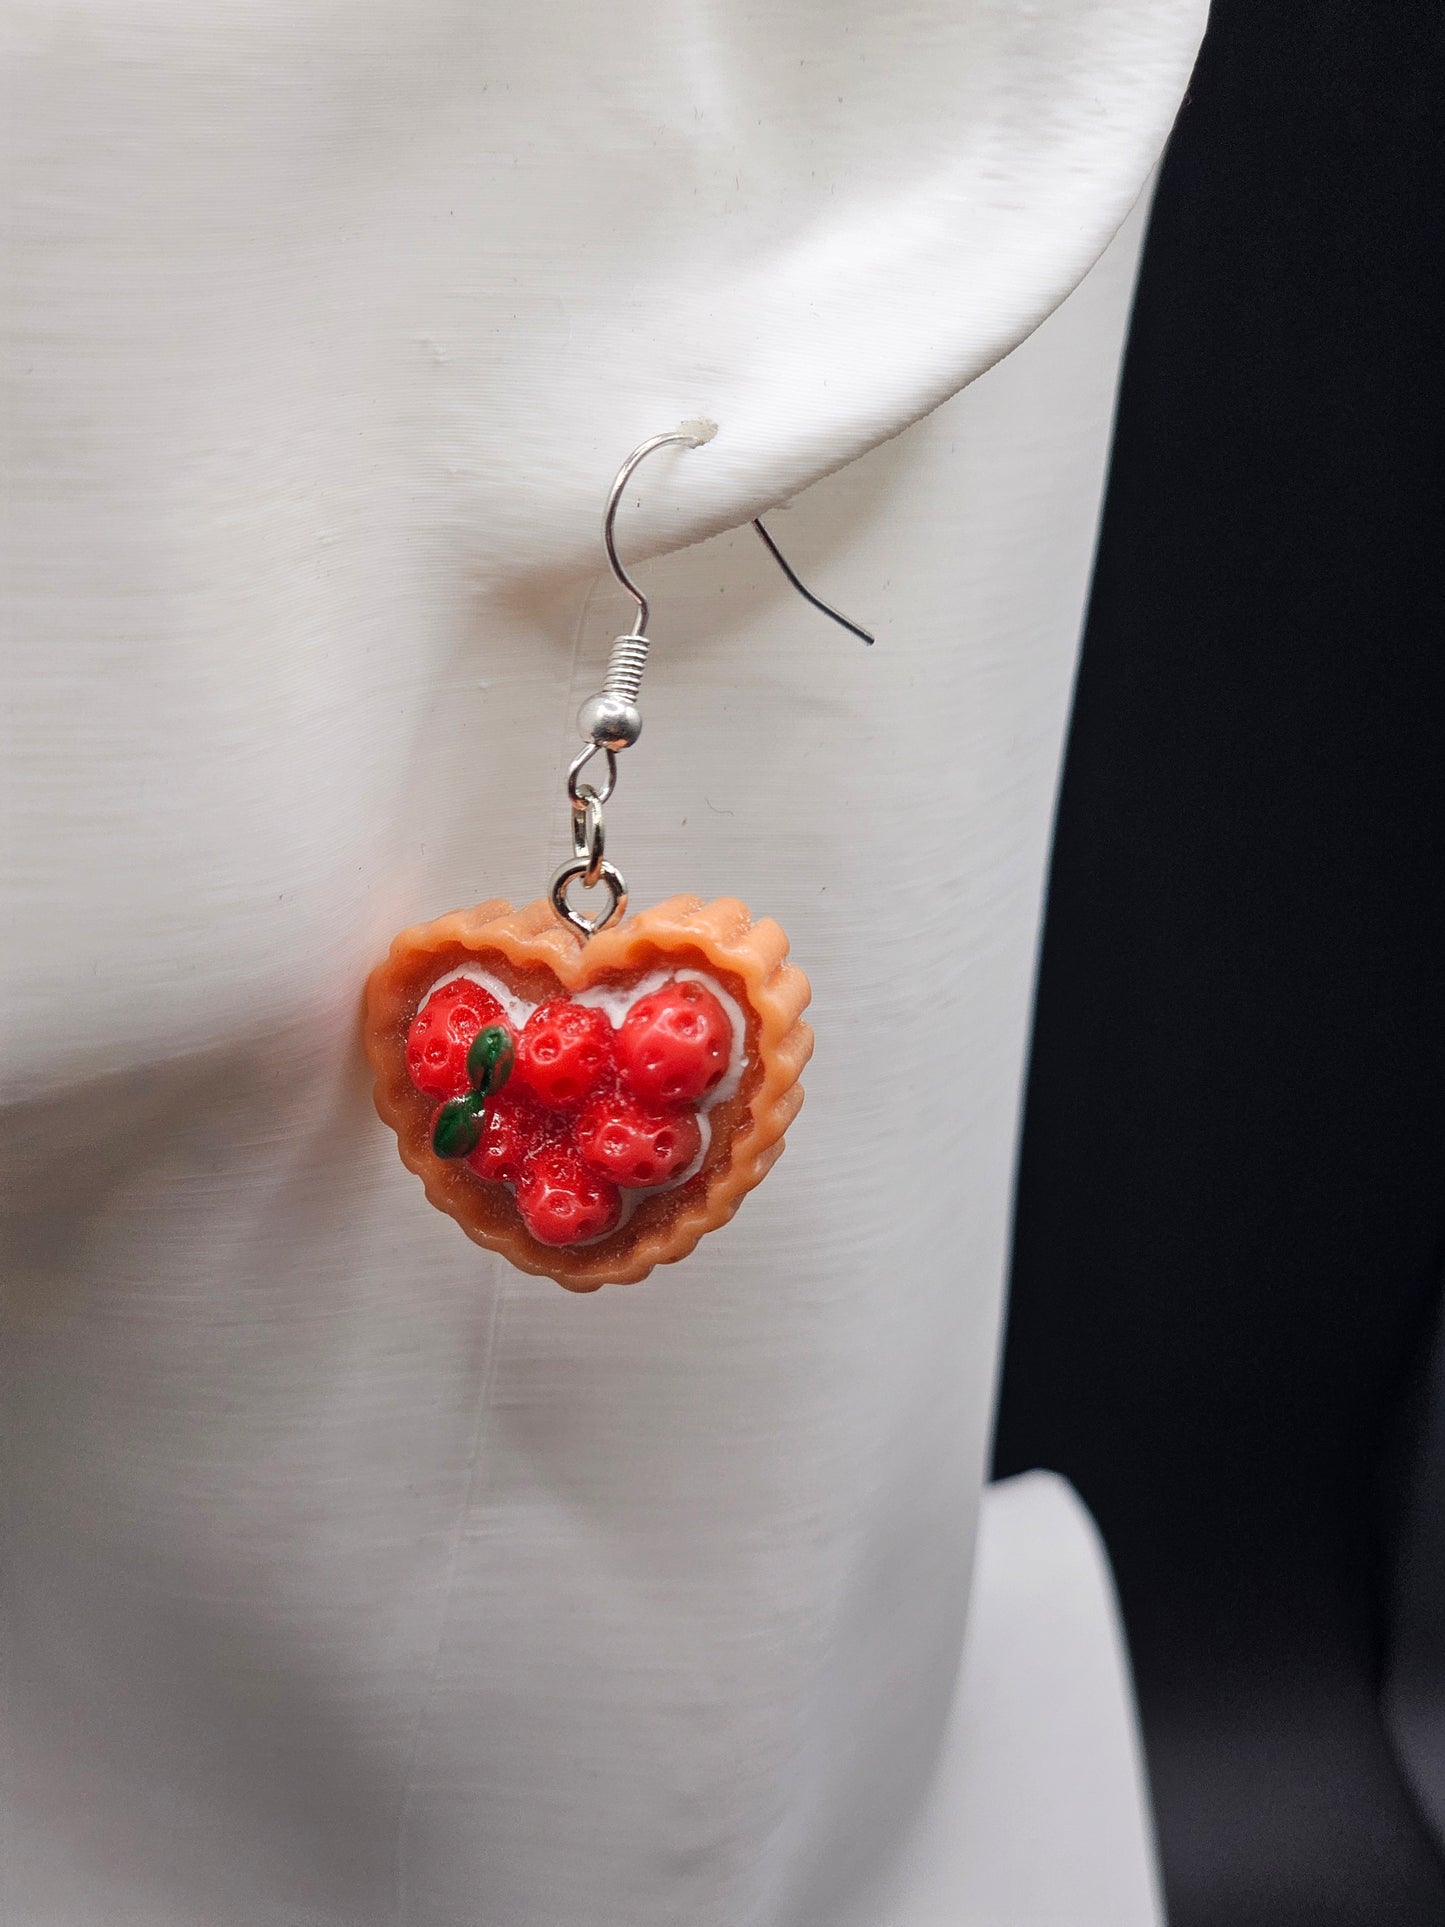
x=611, y=720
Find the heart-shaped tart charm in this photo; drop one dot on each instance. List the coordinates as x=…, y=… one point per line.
x=589, y=1108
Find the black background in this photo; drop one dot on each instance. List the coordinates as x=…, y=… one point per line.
x=1231, y=1209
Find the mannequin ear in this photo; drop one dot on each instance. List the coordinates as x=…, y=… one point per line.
x=474, y=251
x=848, y=212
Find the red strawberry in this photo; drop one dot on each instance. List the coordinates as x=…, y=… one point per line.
x=441, y=1033
x=675, y=1044
x=561, y=1201
x=513, y=1127
x=563, y=1054
x=637, y=1144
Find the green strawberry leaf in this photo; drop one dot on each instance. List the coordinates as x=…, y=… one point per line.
x=458, y=1125
x=490, y=1059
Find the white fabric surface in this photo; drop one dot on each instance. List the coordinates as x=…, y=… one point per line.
x=1039, y=1812
x=351, y=1578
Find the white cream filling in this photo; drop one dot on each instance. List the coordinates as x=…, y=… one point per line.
x=615, y=1003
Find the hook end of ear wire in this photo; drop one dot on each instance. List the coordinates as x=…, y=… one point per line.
x=824, y=608
x=696, y=434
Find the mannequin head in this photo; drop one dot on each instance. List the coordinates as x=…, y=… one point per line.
x=497, y=245
x=399, y=1588
x=338, y=318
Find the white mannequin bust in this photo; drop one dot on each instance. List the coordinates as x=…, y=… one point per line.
x=354, y=1578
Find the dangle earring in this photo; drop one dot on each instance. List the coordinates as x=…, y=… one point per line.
x=590, y=1094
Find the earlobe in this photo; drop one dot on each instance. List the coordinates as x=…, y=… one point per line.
x=926, y=211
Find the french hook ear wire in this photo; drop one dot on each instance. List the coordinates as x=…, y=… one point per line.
x=682, y=438
x=611, y=719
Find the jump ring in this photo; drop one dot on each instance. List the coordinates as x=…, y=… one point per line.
x=589, y=835
x=576, y=871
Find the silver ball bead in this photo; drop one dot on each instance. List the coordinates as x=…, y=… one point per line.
x=610, y=721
